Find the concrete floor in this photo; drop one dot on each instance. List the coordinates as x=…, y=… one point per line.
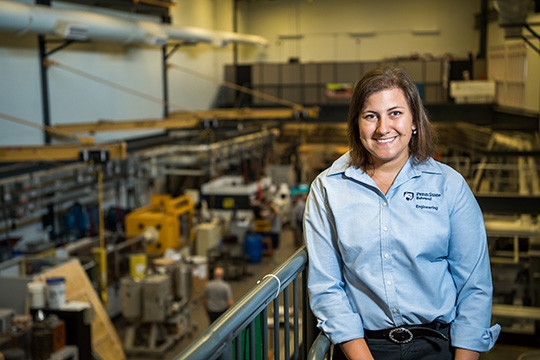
x=501, y=351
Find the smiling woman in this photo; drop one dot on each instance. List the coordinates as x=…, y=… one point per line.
x=386, y=126
x=406, y=95
x=399, y=266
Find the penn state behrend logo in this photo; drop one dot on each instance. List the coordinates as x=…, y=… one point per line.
x=408, y=195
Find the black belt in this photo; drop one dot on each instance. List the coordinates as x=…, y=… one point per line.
x=404, y=334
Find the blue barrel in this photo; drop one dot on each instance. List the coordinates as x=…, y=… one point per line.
x=253, y=247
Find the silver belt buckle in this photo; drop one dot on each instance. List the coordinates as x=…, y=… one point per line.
x=400, y=335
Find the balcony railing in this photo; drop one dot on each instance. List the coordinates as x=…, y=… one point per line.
x=243, y=331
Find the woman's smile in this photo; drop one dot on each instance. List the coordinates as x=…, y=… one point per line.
x=385, y=141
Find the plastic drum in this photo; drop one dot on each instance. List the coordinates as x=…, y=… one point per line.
x=253, y=248
x=37, y=295
x=56, y=292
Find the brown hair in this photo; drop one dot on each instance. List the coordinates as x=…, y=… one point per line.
x=422, y=144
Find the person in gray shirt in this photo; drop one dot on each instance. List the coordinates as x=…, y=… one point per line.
x=217, y=297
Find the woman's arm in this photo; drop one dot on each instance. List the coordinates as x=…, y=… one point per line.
x=468, y=261
x=328, y=299
x=356, y=349
x=464, y=354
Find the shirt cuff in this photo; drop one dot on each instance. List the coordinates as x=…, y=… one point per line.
x=343, y=328
x=474, y=338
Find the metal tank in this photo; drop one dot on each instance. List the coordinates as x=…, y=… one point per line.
x=131, y=298
x=182, y=281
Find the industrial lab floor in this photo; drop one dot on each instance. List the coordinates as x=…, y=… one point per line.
x=501, y=351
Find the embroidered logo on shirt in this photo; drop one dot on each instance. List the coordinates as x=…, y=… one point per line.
x=423, y=196
x=408, y=195
x=427, y=207
x=427, y=196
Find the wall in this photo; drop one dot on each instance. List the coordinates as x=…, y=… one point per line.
x=326, y=25
x=75, y=98
x=189, y=91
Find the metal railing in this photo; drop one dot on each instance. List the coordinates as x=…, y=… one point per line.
x=242, y=332
x=320, y=348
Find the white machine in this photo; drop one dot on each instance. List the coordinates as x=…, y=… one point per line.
x=153, y=302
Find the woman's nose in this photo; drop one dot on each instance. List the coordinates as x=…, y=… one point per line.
x=383, y=126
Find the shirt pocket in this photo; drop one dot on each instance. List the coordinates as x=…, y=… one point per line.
x=426, y=234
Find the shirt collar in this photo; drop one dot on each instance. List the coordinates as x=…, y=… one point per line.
x=340, y=165
x=409, y=170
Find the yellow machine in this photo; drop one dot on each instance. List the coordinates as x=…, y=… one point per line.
x=172, y=218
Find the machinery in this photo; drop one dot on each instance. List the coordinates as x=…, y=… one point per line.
x=171, y=217
x=229, y=196
x=146, y=301
x=157, y=308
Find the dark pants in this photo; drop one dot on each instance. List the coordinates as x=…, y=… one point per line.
x=428, y=348
x=299, y=234
x=213, y=315
x=275, y=240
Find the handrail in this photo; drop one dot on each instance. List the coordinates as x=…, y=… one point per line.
x=320, y=348
x=215, y=340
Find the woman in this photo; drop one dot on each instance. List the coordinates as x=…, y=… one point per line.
x=398, y=259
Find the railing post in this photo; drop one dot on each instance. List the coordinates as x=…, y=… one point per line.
x=276, y=328
x=309, y=322
x=228, y=352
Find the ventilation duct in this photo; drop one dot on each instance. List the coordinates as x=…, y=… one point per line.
x=83, y=25
x=513, y=15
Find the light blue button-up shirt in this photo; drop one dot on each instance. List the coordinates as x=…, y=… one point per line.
x=413, y=256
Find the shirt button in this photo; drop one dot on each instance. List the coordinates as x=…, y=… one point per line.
x=385, y=228
x=394, y=310
x=384, y=204
x=388, y=283
x=386, y=256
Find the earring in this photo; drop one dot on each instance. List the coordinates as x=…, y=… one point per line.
x=414, y=132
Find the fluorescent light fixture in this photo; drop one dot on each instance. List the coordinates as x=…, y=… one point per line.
x=421, y=32
x=290, y=37
x=362, y=34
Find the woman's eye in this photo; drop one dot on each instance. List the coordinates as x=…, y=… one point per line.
x=395, y=113
x=370, y=117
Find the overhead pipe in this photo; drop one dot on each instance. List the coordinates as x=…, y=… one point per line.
x=23, y=18
x=204, y=148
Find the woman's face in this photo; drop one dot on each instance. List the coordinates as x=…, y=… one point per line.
x=386, y=125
